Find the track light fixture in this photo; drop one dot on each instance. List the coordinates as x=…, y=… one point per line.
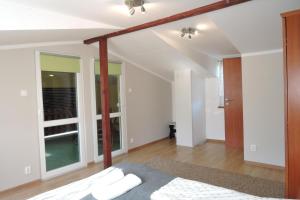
x=189, y=32
x=132, y=4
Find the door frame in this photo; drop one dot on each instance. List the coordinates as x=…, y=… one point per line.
x=121, y=114
x=81, y=126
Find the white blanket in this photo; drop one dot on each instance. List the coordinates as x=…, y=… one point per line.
x=80, y=189
x=116, y=189
x=183, y=189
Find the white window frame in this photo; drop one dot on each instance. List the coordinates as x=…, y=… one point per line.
x=121, y=114
x=42, y=124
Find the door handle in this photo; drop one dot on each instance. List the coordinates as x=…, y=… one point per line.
x=228, y=100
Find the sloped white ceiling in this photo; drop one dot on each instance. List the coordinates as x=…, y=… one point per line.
x=148, y=50
x=206, y=48
x=248, y=27
x=210, y=41
x=256, y=25
x=20, y=17
x=114, y=12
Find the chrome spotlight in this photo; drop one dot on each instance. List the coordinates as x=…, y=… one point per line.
x=132, y=4
x=189, y=32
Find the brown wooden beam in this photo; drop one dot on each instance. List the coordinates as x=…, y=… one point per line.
x=106, y=134
x=197, y=11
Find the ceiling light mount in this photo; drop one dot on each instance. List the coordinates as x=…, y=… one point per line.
x=133, y=4
x=189, y=32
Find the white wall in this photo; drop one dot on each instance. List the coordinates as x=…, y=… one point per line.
x=19, y=143
x=215, y=122
x=189, y=106
x=149, y=107
x=263, y=107
x=173, y=102
x=183, y=106
x=198, y=109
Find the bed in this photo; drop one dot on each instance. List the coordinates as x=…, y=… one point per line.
x=155, y=185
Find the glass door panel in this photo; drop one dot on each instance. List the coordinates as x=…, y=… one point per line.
x=61, y=146
x=114, y=94
x=59, y=95
x=116, y=140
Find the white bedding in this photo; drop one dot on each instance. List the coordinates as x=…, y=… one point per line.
x=116, y=189
x=79, y=189
x=183, y=189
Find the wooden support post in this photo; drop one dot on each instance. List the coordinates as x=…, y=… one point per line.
x=106, y=134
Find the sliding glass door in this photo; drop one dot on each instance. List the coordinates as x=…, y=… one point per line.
x=116, y=111
x=60, y=124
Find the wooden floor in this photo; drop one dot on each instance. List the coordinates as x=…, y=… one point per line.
x=211, y=154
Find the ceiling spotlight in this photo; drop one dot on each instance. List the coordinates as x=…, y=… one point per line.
x=132, y=4
x=189, y=32
x=51, y=75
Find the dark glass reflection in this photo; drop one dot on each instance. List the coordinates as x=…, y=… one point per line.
x=59, y=95
x=115, y=134
x=114, y=94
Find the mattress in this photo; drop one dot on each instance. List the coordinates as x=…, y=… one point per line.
x=184, y=189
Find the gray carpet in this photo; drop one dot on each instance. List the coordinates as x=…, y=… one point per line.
x=242, y=183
